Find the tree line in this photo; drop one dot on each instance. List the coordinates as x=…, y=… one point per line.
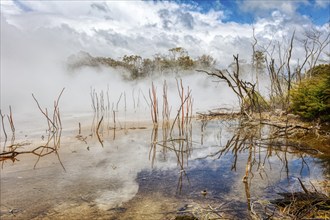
x=175, y=61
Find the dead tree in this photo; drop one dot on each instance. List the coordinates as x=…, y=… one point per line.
x=283, y=74
x=249, y=99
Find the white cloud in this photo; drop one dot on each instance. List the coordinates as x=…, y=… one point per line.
x=266, y=6
x=322, y=3
x=9, y=7
x=115, y=28
x=52, y=31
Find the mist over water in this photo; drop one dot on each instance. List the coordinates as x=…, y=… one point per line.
x=34, y=56
x=33, y=60
x=46, y=78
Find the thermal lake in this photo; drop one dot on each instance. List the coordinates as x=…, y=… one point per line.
x=218, y=168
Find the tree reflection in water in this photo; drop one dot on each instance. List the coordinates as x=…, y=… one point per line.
x=257, y=144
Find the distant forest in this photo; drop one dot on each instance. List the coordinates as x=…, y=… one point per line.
x=175, y=61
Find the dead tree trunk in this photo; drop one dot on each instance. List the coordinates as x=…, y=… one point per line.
x=245, y=91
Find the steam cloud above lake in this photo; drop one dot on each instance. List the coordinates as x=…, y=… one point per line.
x=37, y=37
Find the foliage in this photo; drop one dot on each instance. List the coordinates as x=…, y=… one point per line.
x=176, y=60
x=206, y=61
x=186, y=62
x=259, y=61
x=256, y=102
x=311, y=98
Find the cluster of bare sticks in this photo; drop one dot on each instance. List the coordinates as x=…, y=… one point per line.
x=250, y=100
x=184, y=112
x=306, y=204
x=53, y=141
x=98, y=102
x=101, y=108
x=11, y=124
x=104, y=112
x=181, y=145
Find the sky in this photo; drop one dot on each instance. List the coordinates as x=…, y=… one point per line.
x=116, y=28
x=38, y=36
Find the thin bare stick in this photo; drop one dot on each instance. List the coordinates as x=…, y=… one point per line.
x=11, y=122
x=49, y=128
x=154, y=103
x=145, y=99
x=92, y=94
x=121, y=94
x=97, y=131
x=166, y=111
x=3, y=125
x=133, y=98
x=43, y=112
x=114, y=119
x=179, y=111
x=59, y=159
x=56, y=109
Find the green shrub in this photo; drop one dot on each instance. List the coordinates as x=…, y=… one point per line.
x=311, y=98
x=255, y=103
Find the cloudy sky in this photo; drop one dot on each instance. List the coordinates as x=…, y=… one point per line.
x=37, y=34
x=115, y=28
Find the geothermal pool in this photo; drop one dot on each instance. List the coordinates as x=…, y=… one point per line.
x=137, y=171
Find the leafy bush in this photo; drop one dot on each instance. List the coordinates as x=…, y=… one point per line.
x=255, y=103
x=311, y=98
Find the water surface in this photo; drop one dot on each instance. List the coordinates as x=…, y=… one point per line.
x=141, y=172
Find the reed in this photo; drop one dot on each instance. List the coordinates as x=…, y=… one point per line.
x=11, y=121
x=154, y=104
x=45, y=113
x=166, y=110
x=182, y=116
x=145, y=99
x=108, y=108
x=101, y=107
x=54, y=124
x=125, y=110
x=97, y=131
x=182, y=145
x=92, y=94
x=153, y=145
x=55, y=131
x=117, y=105
x=133, y=97
x=3, y=124
x=48, y=123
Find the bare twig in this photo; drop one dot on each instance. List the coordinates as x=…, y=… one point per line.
x=97, y=131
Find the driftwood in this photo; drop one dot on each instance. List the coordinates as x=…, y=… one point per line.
x=54, y=136
x=13, y=154
x=303, y=204
x=285, y=125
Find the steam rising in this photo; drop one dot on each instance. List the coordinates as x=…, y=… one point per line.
x=38, y=65
x=36, y=45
